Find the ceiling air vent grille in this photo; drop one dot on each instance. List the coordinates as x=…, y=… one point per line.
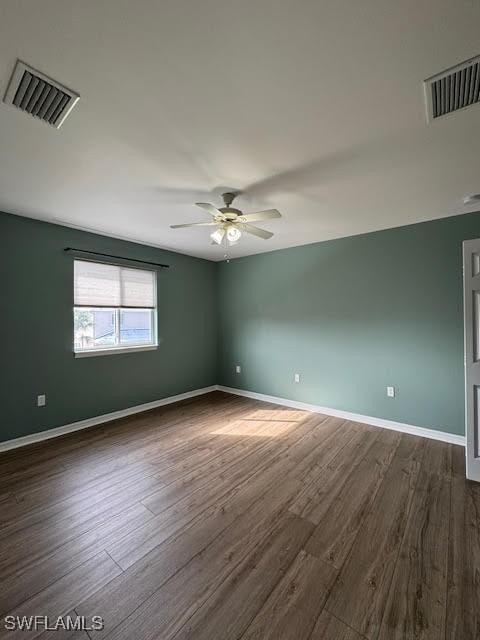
x=454, y=89
x=39, y=95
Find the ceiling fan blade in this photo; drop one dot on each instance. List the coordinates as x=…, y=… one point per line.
x=194, y=224
x=261, y=233
x=260, y=215
x=217, y=236
x=211, y=209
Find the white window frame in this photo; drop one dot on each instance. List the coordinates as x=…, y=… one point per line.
x=117, y=348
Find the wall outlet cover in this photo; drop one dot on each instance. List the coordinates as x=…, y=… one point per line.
x=41, y=400
x=238, y=369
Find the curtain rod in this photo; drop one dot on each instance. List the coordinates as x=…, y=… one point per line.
x=108, y=255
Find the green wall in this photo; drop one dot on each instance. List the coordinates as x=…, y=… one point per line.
x=353, y=316
x=36, y=331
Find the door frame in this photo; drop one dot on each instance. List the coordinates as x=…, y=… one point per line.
x=471, y=282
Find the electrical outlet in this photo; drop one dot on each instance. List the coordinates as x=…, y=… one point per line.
x=297, y=377
x=238, y=369
x=391, y=392
x=41, y=400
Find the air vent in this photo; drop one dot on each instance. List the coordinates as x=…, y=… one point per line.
x=39, y=95
x=454, y=89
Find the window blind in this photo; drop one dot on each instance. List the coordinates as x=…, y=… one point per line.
x=106, y=285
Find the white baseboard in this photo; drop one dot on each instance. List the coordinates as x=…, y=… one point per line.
x=122, y=413
x=106, y=417
x=355, y=417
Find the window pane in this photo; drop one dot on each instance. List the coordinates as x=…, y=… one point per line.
x=94, y=328
x=136, y=326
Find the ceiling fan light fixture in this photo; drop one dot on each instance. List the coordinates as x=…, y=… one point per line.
x=217, y=236
x=233, y=233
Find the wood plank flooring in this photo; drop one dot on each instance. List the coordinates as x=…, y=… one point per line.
x=226, y=518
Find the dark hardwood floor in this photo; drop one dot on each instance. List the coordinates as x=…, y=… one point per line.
x=223, y=518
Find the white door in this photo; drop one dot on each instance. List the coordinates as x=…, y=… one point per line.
x=471, y=297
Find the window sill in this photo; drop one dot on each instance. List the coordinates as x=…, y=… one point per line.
x=114, y=351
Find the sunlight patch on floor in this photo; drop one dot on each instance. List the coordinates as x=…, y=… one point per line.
x=265, y=429
x=279, y=415
x=267, y=423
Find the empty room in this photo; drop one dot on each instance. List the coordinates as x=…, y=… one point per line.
x=240, y=320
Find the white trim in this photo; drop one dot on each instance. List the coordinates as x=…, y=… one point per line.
x=470, y=285
x=122, y=413
x=355, y=417
x=111, y=352
x=106, y=417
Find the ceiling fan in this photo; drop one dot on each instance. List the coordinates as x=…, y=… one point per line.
x=231, y=221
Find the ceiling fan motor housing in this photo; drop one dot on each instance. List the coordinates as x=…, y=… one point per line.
x=230, y=212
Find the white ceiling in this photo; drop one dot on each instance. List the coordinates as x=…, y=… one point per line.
x=314, y=107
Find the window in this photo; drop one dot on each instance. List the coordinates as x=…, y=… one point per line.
x=114, y=308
